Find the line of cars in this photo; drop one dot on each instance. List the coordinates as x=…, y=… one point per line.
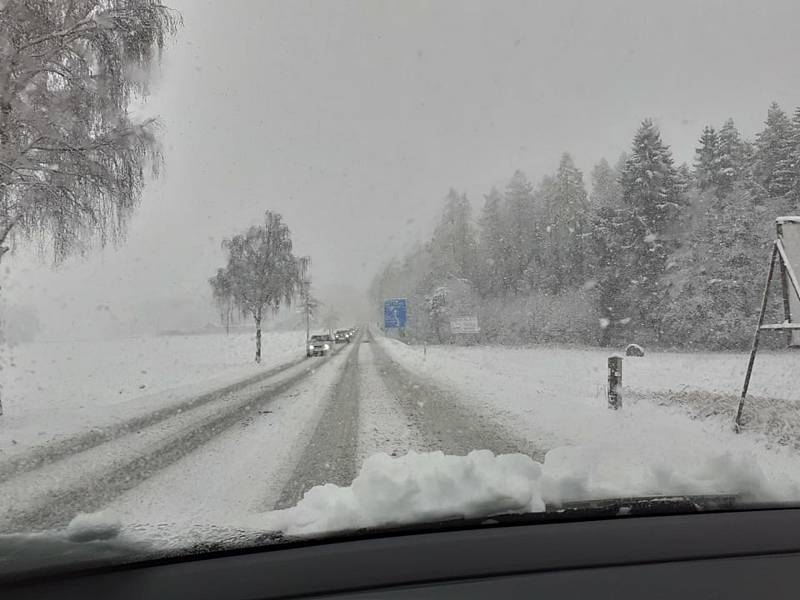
x=322, y=343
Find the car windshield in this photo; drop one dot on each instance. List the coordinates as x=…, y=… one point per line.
x=569, y=272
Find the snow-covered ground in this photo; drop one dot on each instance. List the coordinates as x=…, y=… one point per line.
x=582, y=372
x=208, y=487
x=233, y=477
x=53, y=389
x=383, y=427
x=556, y=397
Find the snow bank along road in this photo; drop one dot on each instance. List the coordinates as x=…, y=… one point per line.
x=251, y=446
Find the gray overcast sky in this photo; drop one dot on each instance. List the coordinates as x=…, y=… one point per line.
x=354, y=118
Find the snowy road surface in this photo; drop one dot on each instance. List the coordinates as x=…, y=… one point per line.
x=257, y=442
x=51, y=390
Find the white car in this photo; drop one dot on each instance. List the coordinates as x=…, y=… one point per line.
x=319, y=345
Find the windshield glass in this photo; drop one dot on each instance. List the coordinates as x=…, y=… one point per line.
x=569, y=273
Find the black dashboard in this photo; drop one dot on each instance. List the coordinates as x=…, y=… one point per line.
x=745, y=554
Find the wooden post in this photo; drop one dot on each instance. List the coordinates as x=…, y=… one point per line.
x=615, y=382
x=785, y=290
x=754, y=350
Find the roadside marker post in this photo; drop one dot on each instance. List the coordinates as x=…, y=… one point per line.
x=615, y=382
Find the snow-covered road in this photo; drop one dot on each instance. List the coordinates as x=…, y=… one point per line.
x=250, y=446
x=41, y=489
x=260, y=443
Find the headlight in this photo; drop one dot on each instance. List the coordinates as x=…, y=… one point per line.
x=310, y=347
x=326, y=347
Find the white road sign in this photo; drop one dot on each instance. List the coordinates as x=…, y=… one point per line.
x=789, y=234
x=464, y=325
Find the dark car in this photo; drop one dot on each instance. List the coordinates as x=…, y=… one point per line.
x=342, y=336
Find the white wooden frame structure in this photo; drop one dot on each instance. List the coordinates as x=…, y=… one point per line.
x=791, y=299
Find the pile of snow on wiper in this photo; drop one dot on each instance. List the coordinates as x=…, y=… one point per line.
x=426, y=487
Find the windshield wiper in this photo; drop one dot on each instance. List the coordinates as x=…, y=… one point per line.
x=571, y=511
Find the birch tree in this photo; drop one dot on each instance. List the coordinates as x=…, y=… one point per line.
x=261, y=274
x=73, y=161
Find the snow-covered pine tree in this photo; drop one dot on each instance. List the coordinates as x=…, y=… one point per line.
x=707, y=159
x=731, y=156
x=686, y=179
x=493, y=278
x=522, y=231
x=795, y=158
x=567, y=216
x=651, y=195
x=453, y=250
x=713, y=295
x=773, y=164
x=605, y=185
x=609, y=269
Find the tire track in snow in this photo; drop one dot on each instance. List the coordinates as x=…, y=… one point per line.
x=40, y=499
x=237, y=474
x=330, y=456
x=59, y=449
x=443, y=421
x=383, y=425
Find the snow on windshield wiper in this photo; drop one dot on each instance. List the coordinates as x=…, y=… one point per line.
x=416, y=492
x=573, y=511
x=424, y=488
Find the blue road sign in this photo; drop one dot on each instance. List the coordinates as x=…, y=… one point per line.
x=395, y=311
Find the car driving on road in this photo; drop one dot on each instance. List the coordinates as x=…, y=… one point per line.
x=342, y=336
x=319, y=345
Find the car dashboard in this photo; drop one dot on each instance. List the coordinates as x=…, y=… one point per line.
x=737, y=554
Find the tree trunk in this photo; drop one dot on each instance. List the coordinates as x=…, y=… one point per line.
x=258, y=338
x=3, y=247
x=308, y=322
x=3, y=250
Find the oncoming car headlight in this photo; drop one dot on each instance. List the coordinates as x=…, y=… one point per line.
x=326, y=347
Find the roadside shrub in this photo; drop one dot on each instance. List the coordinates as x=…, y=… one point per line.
x=540, y=318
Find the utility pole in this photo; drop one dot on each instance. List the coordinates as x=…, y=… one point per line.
x=305, y=284
x=308, y=310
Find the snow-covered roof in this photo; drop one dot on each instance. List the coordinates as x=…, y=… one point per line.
x=782, y=220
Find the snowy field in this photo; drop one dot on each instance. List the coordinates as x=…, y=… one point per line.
x=56, y=388
x=556, y=396
x=582, y=373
